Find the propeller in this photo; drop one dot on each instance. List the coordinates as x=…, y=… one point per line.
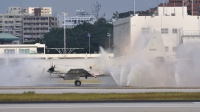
x=51, y=69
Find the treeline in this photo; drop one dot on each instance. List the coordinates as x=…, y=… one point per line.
x=78, y=37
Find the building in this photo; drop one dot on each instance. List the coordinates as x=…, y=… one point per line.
x=8, y=39
x=188, y=3
x=35, y=27
x=21, y=48
x=43, y=11
x=11, y=22
x=37, y=23
x=27, y=24
x=172, y=22
x=80, y=17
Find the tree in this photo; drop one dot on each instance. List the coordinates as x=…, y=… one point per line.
x=96, y=8
x=115, y=15
x=77, y=37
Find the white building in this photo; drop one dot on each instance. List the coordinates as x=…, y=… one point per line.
x=72, y=21
x=21, y=48
x=172, y=22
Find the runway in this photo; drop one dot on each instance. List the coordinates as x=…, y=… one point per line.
x=102, y=107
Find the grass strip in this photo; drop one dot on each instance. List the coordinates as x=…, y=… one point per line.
x=31, y=96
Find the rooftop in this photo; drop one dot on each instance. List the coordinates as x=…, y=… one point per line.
x=7, y=37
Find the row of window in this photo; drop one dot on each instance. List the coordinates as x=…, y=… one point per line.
x=166, y=31
x=10, y=16
x=80, y=18
x=12, y=51
x=163, y=31
x=35, y=28
x=77, y=21
x=35, y=18
x=29, y=24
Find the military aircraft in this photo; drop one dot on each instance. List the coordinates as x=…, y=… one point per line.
x=153, y=50
x=72, y=73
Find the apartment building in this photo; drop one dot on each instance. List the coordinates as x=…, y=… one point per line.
x=11, y=22
x=35, y=27
x=28, y=24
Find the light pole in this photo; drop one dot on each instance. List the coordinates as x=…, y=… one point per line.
x=64, y=14
x=109, y=35
x=89, y=41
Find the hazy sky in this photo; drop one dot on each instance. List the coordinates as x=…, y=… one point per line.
x=108, y=6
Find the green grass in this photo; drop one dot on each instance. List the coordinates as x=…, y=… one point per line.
x=31, y=96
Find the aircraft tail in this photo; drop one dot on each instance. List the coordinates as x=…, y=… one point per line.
x=155, y=47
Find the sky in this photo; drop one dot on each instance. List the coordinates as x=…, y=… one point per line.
x=107, y=6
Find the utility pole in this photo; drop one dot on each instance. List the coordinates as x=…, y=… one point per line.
x=163, y=8
x=89, y=41
x=134, y=7
x=64, y=14
x=192, y=7
x=109, y=35
x=183, y=7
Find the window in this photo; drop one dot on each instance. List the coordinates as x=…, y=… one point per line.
x=164, y=30
x=166, y=49
x=24, y=51
x=145, y=30
x=174, y=49
x=9, y=51
x=174, y=31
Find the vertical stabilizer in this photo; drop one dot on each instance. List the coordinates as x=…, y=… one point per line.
x=155, y=47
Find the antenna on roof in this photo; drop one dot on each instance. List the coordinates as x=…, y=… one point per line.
x=192, y=7
x=134, y=7
x=163, y=8
x=157, y=7
x=183, y=7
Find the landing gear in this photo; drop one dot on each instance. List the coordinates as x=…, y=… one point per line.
x=77, y=83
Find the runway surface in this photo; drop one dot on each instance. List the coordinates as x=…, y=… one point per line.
x=102, y=107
